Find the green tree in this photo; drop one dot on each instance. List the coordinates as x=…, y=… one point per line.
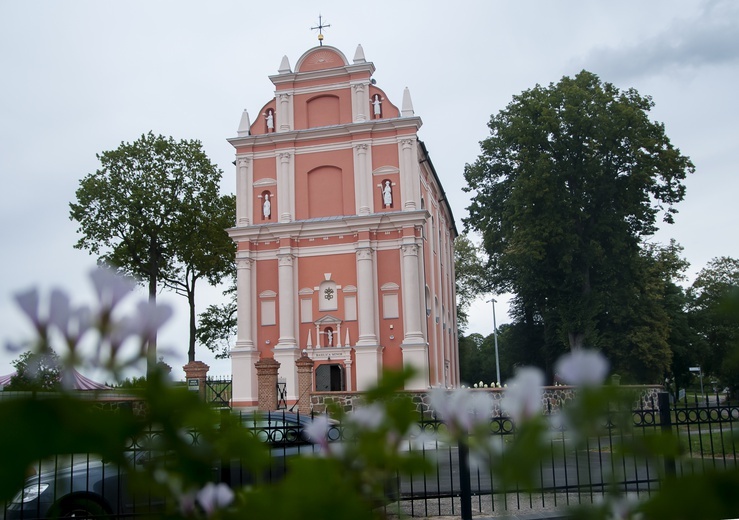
x=718, y=329
x=36, y=371
x=471, y=280
x=569, y=183
x=153, y=210
x=217, y=325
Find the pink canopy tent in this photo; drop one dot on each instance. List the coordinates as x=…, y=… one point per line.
x=80, y=382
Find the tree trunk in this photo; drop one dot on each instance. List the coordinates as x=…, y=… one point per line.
x=151, y=347
x=193, y=329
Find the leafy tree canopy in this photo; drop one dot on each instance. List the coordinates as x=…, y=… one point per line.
x=36, y=371
x=153, y=210
x=718, y=328
x=471, y=280
x=570, y=181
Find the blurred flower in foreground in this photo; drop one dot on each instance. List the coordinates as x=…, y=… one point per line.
x=582, y=367
x=522, y=398
x=461, y=409
x=214, y=496
x=317, y=431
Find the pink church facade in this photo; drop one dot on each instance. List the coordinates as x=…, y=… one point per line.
x=344, y=236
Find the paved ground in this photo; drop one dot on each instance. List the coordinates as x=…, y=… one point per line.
x=548, y=507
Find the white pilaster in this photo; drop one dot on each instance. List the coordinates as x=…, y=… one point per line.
x=245, y=391
x=366, y=296
x=414, y=346
x=284, y=112
x=244, y=181
x=285, y=182
x=368, y=366
x=286, y=357
x=408, y=174
x=244, y=300
x=287, y=299
x=360, y=102
x=362, y=179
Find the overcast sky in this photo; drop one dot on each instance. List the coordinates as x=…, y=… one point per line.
x=80, y=77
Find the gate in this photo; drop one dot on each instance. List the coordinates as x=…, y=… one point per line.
x=218, y=392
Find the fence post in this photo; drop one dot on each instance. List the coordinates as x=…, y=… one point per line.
x=665, y=420
x=465, y=489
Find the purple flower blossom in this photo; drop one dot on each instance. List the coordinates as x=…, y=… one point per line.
x=28, y=301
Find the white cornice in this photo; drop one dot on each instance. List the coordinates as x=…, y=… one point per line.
x=318, y=228
x=298, y=77
x=326, y=132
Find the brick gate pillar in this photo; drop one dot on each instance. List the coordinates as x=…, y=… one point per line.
x=304, y=364
x=267, y=383
x=196, y=370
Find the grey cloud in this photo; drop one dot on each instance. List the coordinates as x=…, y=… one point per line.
x=711, y=39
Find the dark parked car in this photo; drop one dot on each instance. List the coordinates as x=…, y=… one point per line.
x=88, y=487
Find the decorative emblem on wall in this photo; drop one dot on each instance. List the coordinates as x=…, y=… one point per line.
x=328, y=293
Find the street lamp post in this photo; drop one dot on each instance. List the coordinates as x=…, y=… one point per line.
x=495, y=336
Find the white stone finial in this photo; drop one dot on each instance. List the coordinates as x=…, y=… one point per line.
x=284, y=66
x=309, y=343
x=359, y=55
x=244, y=125
x=407, y=107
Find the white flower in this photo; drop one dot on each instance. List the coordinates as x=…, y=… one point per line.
x=368, y=417
x=522, y=398
x=214, y=496
x=461, y=409
x=582, y=367
x=317, y=431
x=475, y=385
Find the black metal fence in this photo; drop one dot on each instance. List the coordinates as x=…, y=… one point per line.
x=459, y=484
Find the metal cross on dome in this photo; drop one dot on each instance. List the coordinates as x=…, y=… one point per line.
x=320, y=28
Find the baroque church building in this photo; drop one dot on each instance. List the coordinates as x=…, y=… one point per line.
x=344, y=235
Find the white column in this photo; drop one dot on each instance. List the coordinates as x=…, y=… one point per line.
x=414, y=346
x=411, y=303
x=243, y=192
x=244, y=302
x=286, y=351
x=244, y=354
x=367, y=351
x=286, y=295
x=361, y=181
x=408, y=177
x=366, y=296
x=283, y=186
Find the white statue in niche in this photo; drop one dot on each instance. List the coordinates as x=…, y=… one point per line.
x=377, y=105
x=266, y=207
x=329, y=338
x=387, y=194
x=270, y=120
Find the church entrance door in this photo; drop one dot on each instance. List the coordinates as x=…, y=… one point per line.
x=330, y=378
